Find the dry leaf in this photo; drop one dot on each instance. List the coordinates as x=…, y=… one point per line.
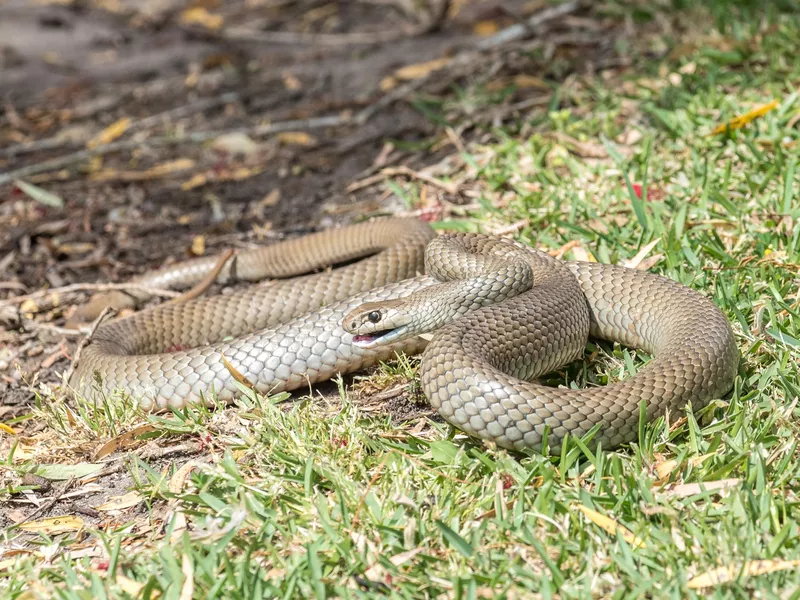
x=236, y=374
x=123, y=441
x=187, y=589
x=170, y=166
x=526, y=82
x=159, y=170
x=485, y=28
x=62, y=472
x=664, y=468
x=271, y=199
x=178, y=479
x=387, y=84
x=54, y=525
x=121, y=502
x=178, y=526
x=730, y=573
x=376, y=571
x=236, y=143
x=198, y=245
x=41, y=195
x=685, y=490
x=110, y=133
x=634, y=262
x=296, y=138
x=741, y=121
x=200, y=16
x=290, y=82
x=196, y=180
x=611, y=526
x=131, y=587
x=418, y=70
x=582, y=254
x=560, y=252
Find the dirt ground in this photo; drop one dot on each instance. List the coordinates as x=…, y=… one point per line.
x=169, y=130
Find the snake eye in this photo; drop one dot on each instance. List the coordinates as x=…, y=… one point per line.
x=374, y=316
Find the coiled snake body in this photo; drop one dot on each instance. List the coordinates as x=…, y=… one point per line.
x=502, y=314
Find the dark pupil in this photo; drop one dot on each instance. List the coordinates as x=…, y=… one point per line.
x=374, y=316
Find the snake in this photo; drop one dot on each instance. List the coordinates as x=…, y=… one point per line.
x=489, y=315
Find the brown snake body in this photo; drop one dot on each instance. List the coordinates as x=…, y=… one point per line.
x=503, y=314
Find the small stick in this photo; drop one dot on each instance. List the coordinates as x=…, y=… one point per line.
x=50, y=503
x=520, y=30
x=200, y=288
x=93, y=287
x=85, y=341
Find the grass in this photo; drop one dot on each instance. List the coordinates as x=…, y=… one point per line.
x=325, y=500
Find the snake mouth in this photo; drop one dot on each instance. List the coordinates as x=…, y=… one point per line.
x=380, y=337
x=366, y=340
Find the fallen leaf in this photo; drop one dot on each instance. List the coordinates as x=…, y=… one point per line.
x=290, y=82
x=159, y=170
x=197, y=180
x=271, y=199
x=198, y=245
x=582, y=254
x=377, y=570
x=664, y=468
x=387, y=84
x=121, y=502
x=7, y=429
x=131, y=587
x=485, y=28
x=170, y=166
x=58, y=472
x=526, y=82
x=611, y=526
x=634, y=262
x=42, y=196
x=178, y=479
x=415, y=71
x=123, y=441
x=296, y=138
x=236, y=143
x=730, y=573
x=187, y=589
x=741, y=121
x=200, y=16
x=236, y=374
x=110, y=133
x=685, y=490
x=54, y=525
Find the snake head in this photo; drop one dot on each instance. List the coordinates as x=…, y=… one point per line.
x=377, y=323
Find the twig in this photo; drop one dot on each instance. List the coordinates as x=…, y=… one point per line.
x=156, y=452
x=13, y=285
x=93, y=287
x=200, y=288
x=394, y=392
x=316, y=39
x=50, y=503
x=520, y=30
x=85, y=341
x=31, y=325
x=450, y=188
x=197, y=137
x=512, y=228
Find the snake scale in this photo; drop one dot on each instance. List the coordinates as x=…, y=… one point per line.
x=502, y=314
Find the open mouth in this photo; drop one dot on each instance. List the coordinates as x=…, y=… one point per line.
x=366, y=339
